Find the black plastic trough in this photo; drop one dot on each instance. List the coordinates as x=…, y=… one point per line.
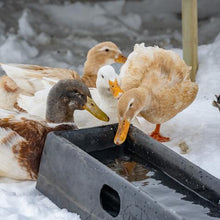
x=86, y=173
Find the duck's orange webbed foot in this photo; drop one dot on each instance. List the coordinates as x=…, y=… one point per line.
x=157, y=136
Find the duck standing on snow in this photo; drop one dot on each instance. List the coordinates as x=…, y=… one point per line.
x=22, y=136
x=156, y=85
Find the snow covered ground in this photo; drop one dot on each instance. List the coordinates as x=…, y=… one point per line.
x=60, y=35
x=21, y=201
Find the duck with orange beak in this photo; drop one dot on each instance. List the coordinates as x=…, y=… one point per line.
x=156, y=85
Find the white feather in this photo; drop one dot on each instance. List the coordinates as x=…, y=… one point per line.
x=26, y=78
x=104, y=99
x=35, y=105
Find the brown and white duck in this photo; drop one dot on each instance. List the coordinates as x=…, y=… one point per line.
x=22, y=136
x=9, y=92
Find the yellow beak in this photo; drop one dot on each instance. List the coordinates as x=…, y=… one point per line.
x=121, y=134
x=115, y=88
x=91, y=107
x=120, y=59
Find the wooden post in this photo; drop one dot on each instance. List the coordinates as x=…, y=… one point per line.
x=190, y=35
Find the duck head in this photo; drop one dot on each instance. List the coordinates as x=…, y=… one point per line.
x=106, y=74
x=108, y=82
x=103, y=54
x=68, y=95
x=130, y=104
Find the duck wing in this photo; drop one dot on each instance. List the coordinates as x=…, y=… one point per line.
x=21, y=144
x=168, y=101
x=10, y=144
x=32, y=78
x=36, y=104
x=153, y=67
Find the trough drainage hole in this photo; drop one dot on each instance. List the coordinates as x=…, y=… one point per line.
x=110, y=200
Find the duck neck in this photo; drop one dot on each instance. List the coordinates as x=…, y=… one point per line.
x=57, y=112
x=91, y=68
x=144, y=96
x=106, y=97
x=104, y=92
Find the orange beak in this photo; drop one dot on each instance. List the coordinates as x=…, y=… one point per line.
x=115, y=88
x=120, y=59
x=121, y=134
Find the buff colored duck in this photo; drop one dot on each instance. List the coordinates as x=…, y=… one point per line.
x=22, y=136
x=32, y=78
x=156, y=85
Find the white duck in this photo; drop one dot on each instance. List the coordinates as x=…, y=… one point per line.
x=103, y=97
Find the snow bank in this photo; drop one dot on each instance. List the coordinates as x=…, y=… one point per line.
x=25, y=28
x=17, y=50
x=20, y=200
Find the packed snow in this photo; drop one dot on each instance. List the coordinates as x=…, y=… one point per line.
x=20, y=200
x=60, y=35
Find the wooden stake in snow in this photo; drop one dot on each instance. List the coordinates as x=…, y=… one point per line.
x=190, y=35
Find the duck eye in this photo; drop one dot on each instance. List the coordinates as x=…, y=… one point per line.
x=102, y=76
x=107, y=50
x=72, y=93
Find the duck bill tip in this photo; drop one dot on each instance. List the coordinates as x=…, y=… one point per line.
x=120, y=58
x=115, y=89
x=122, y=132
x=92, y=108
